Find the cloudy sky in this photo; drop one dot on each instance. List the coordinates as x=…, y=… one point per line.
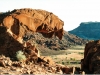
x=72, y=12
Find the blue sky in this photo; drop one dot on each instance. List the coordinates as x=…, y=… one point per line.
x=72, y=12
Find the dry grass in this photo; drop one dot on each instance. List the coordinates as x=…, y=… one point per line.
x=70, y=57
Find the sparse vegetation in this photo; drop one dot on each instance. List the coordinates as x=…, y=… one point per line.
x=77, y=47
x=72, y=59
x=63, y=63
x=20, y=56
x=62, y=56
x=48, y=52
x=81, y=53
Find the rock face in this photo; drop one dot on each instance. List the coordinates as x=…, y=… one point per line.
x=91, y=62
x=87, y=30
x=8, y=45
x=16, y=24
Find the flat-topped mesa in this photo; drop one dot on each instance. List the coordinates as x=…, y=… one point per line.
x=19, y=21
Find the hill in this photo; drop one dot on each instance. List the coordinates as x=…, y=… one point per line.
x=54, y=43
x=87, y=30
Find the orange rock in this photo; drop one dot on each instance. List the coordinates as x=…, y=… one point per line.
x=15, y=24
x=19, y=22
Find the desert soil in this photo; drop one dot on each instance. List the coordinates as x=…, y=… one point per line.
x=71, y=56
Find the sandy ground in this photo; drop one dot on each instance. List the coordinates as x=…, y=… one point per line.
x=69, y=56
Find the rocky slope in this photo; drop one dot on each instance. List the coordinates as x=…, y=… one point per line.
x=54, y=43
x=87, y=30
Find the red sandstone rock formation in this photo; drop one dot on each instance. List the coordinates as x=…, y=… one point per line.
x=20, y=21
x=15, y=24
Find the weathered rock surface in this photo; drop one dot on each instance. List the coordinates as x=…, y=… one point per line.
x=16, y=24
x=91, y=62
x=20, y=21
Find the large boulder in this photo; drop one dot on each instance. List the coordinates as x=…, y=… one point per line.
x=16, y=24
x=19, y=21
x=91, y=61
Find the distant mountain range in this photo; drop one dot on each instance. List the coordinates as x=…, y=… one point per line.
x=87, y=30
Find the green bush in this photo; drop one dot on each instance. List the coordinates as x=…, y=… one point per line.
x=63, y=63
x=72, y=59
x=68, y=62
x=20, y=56
x=81, y=53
